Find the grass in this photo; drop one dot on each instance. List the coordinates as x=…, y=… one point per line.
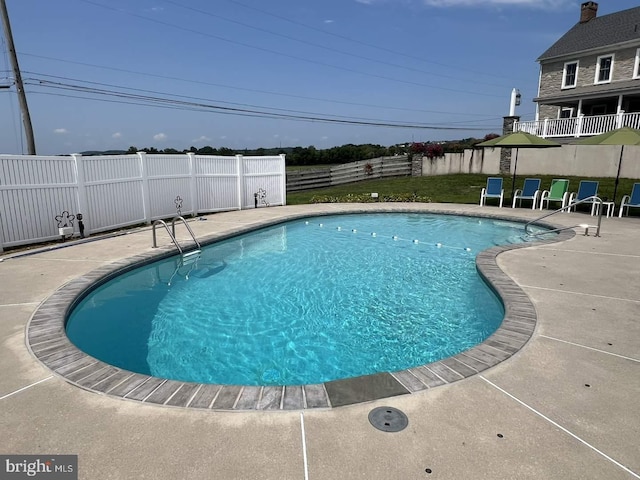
x=459, y=188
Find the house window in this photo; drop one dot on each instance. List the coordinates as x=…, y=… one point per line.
x=570, y=75
x=636, y=67
x=566, y=112
x=604, y=69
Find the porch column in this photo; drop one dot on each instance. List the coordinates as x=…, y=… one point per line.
x=505, y=153
x=619, y=109
x=620, y=113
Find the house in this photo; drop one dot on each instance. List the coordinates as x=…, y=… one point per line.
x=590, y=78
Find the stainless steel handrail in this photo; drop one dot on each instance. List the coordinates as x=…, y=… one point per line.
x=166, y=227
x=173, y=229
x=591, y=199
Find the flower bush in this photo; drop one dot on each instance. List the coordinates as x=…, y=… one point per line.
x=366, y=198
x=430, y=150
x=434, y=150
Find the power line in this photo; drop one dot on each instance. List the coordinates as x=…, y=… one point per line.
x=262, y=49
x=360, y=42
x=252, y=90
x=165, y=94
x=160, y=101
x=325, y=47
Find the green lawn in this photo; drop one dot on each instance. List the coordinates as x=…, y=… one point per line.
x=460, y=188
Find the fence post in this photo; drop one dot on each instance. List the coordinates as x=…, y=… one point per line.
x=192, y=183
x=82, y=192
x=545, y=128
x=283, y=179
x=146, y=194
x=1, y=229
x=619, y=119
x=240, y=170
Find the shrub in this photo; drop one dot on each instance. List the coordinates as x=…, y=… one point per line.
x=434, y=150
x=366, y=198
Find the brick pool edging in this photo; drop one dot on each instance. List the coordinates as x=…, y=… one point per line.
x=48, y=342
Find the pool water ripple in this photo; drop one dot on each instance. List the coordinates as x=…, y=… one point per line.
x=305, y=302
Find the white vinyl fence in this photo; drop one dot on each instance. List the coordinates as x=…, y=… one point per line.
x=122, y=190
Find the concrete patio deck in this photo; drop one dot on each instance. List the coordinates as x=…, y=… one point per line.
x=565, y=406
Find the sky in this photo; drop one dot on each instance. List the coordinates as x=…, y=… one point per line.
x=110, y=74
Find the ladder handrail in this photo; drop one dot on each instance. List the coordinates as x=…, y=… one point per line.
x=173, y=238
x=569, y=206
x=173, y=228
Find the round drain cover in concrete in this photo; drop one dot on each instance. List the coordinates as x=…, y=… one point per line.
x=388, y=419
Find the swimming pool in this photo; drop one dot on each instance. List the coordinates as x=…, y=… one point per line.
x=386, y=304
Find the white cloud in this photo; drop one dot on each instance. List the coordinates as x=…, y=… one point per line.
x=365, y=2
x=328, y=21
x=61, y=131
x=159, y=137
x=116, y=135
x=223, y=137
x=202, y=138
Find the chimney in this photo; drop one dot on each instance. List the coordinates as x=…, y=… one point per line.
x=588, y=11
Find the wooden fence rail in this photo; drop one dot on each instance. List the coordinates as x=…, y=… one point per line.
x=398, y=166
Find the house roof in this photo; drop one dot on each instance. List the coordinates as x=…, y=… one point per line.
x=601, y=31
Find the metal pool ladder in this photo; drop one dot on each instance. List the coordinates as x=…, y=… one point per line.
x=172, y=234
x=568, y=207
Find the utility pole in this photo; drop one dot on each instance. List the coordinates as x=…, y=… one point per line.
x=22, y=98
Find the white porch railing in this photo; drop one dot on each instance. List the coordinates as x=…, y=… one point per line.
x=581, y=126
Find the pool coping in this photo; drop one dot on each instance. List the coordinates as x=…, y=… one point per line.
x=47, y=341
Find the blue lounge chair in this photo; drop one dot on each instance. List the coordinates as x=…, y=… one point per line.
x=530, y=191
x=558, y=192
x=586, y=189
x=492, y=190
x=632, y=200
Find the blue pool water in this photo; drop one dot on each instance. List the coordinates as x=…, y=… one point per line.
x=308, y=301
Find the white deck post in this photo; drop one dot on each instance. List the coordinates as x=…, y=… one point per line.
x=240, y=172
x=283, y=179
x=192, y=183
x=82, y=192
x=146, y=195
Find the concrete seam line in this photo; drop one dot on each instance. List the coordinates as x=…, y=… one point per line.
x=19, y=304
x=591, y=348
x=24, y=388
x=533, y=287
x=304, y=447
x=557, y=425
x=628, y=255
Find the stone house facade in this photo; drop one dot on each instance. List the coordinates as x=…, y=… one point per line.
x=593, y=69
